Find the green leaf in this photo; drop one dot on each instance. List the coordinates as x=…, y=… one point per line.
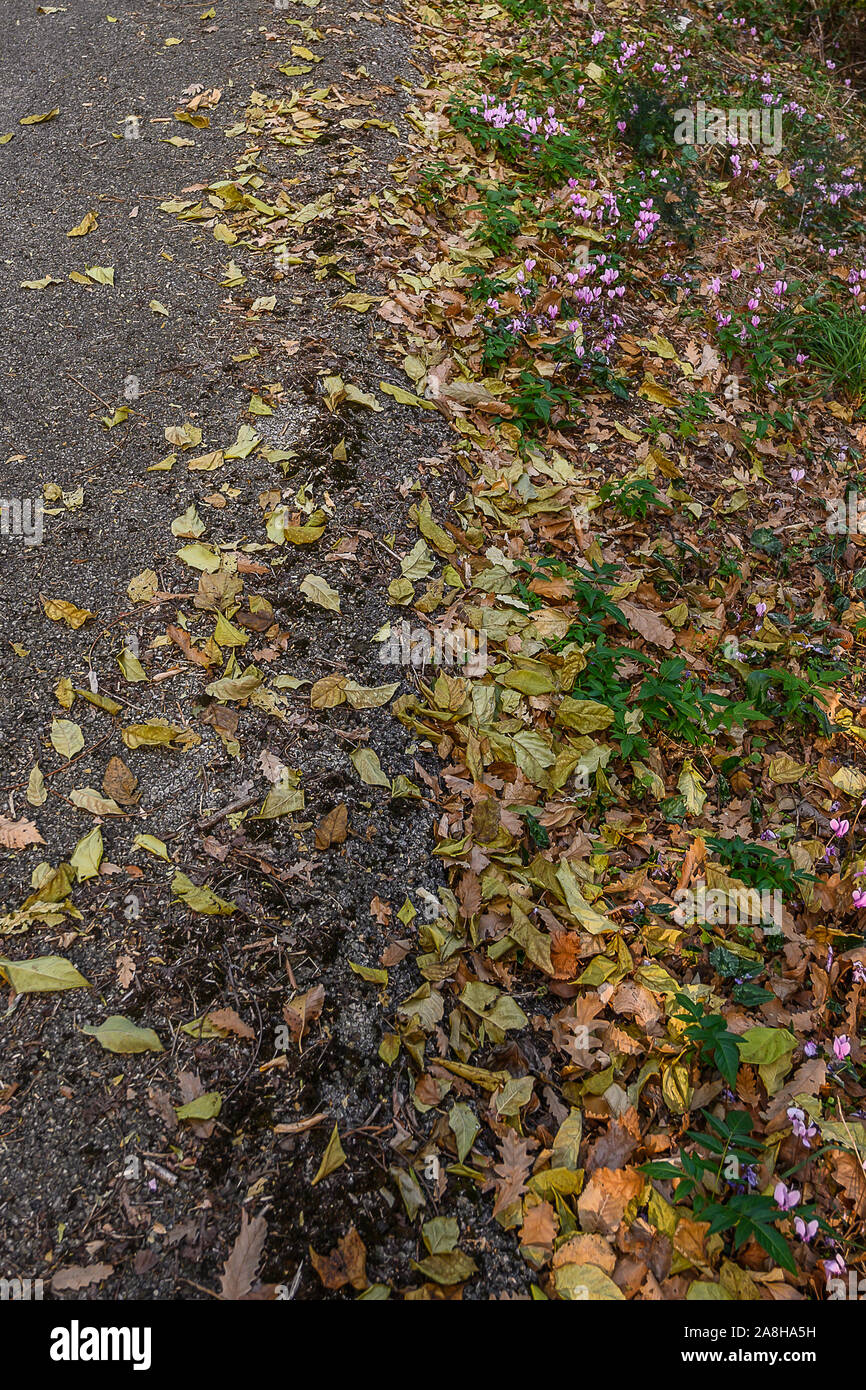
x=200, y=899
x=332, y=1159
x=66, y=737
x=43, y=975
x=87, y=855
x=118, y=1034
x=369, y=769
x=464, y=1126
x=205, y=1107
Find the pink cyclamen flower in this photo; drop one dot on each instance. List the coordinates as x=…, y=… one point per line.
x=805, y=1232
x=840, y=828
x=836, y=1266
x=797, y=475
x=841, y=1047
x=760, y=610
x=799, y=1127
x=786, y=1197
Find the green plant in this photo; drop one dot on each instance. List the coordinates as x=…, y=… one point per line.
x=834, y=339
x=778, y=694
x=502, y=208
x=730, y=1149
x=758, y=866
x=676, y=703
x=549, y=158
x=538, y=404
x=709, y=1037
x=634, y=497
x=697, y=409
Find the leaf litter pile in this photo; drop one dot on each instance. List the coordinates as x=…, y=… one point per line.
x=616, y=1051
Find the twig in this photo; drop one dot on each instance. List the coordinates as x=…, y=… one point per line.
x=87, y=388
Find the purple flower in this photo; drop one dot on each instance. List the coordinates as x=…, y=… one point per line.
x=786, y=1198
x=799, y=1127
x=840, y=828
x=805, y=1233
x=841, y=1047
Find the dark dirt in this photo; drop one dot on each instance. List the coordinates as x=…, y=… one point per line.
x=93, y=1168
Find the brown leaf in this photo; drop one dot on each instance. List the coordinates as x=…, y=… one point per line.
x=565, y=954
x=540, y=1224
x=230, y=1019
x=848, y=1171
x=333, y=827
x=184, y=641
x=80, y=1277
x=347, y=1264
x=585, y=1249
x=304, y=1009
x=636, y=1000
x=18, y=834
x=120, y=782
x=694, y=858
x=242, y=1265
x=604, y=1199
x=611, y=1150
x=159, y=1104
x=690, y=1239
x=380, y=910
x=512, y=1170
x=648, y=624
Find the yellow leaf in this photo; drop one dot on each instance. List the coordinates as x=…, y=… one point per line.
x=89, y=799
x=61, y=611
x=36, y=793
x=366, y=763
x=45, y=116
x=66, y=737
x=690, y=783
x=319, y=591
x=849, y=780
x=332, y=1159
x=153, y=846
x=131, y=666
x=87, y=224
x=328, y=692
x=87, y=855
x=784, y=769
x=652, y=390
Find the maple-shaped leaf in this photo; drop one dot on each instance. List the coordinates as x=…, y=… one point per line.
x=512, y=1170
